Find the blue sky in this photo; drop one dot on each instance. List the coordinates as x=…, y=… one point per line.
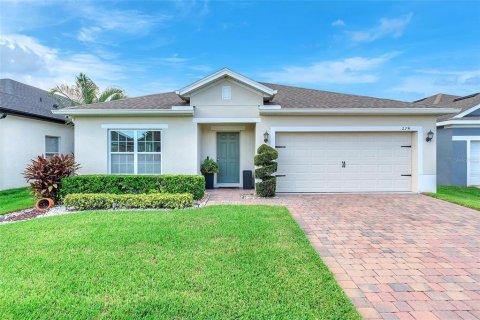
x=400, y=50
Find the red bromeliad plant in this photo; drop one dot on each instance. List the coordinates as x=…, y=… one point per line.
x=46, y=173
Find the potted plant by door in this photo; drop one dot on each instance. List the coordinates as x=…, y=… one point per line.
x=208, y=168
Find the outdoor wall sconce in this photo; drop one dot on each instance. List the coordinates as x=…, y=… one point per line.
x=265, y=137
x=429, y=136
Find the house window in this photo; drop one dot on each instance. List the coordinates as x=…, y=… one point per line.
x=226, y=92
x=135, y=152
x=52, y=146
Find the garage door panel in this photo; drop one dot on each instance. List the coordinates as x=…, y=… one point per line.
x=312, y=162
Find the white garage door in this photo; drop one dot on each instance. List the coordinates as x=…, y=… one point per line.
x=344, y=162
x=475, y=163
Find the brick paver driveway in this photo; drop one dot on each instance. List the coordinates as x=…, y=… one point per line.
x=397, y=256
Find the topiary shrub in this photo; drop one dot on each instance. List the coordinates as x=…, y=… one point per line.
x=265, y=161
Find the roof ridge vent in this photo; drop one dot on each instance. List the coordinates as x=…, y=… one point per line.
x=438, y=98
x=466, y=97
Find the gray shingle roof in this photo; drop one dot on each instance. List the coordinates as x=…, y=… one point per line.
x=18, y=97
x=445, y=100
x=437, y=99
x=154, y=101
x=295, y=97
x=287, y=97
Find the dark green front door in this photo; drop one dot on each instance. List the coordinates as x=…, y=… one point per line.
x=228, y=157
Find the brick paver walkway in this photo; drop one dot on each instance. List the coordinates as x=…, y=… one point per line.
x=397, y=256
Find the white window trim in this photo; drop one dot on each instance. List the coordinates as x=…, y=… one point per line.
x=425, y=183
x=147, y=126
x=135, y=151
x=59, y=145
x=469, y=140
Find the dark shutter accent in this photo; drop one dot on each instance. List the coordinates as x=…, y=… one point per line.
x=280, y=147
x=406, y=175
x=405, y=146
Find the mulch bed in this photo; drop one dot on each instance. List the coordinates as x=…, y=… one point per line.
x=21, y=215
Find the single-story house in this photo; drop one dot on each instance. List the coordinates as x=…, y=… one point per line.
x=28, y=129
x=327, y=142
x=458, y=140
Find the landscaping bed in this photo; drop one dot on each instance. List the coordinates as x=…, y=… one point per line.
x=464, y=196
x=218, y=262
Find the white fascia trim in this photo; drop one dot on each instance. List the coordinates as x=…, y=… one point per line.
x=270, y=107
x=132, y=112
x=458, y=122
x=466, y=138
x=225, y=72
x=417, y=129
x=182, y=108
x=226, y=120
x=133, y=126
x=359, y=111
x=468, y=111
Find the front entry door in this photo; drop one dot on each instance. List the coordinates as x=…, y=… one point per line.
x=228, y=157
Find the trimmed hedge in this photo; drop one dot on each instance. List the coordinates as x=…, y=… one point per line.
x=90, y=201
x=131, y=184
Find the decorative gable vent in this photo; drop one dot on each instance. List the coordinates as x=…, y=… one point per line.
x=226, y=93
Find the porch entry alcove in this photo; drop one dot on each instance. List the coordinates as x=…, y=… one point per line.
x=232, y=146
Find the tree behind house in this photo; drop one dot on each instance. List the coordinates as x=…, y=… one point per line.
x=85, y=91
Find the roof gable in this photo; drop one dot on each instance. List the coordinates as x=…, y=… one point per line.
x=186, y=92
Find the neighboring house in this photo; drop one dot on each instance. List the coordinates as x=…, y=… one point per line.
x=458, y=141
x=327, y=142
x=28, y=129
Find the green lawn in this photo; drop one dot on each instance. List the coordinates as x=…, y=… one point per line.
x=468, y=197
x=220, y=262
x=15, y=199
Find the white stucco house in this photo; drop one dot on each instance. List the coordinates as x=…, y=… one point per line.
x=28, y=129
x=327, y=142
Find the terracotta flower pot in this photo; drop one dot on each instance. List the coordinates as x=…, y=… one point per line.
x=44, y=204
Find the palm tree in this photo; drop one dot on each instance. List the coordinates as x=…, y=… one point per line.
x=85, y=91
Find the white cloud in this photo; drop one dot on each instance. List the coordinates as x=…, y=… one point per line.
x=182, y=62
x=386, y=27
x=193, y=8
x=101, y=20
x=25, y=59
x=201, y=68
x=430, y=82
x=349, y=70
x=338, y=23
x=174, y=60
x=89, y=34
